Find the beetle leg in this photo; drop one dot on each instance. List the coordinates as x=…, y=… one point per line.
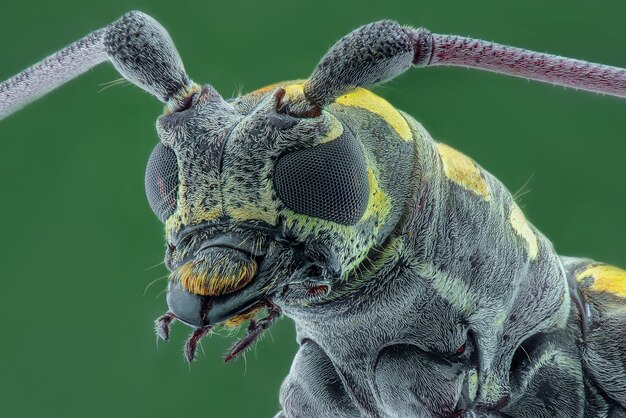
x=255, y=329
x=194, y=339
x=162, y=326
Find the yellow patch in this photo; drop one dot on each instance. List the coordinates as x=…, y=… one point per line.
x=184, y=217
x=172, y=225
x=360, y=97
x=192, y=209
x=367, y=100
x=463, y=171
x=238, y=320
x=267, y=88
x=252, y=213
x=335, y=131
x=204, y=283
x=294, y=92
x=458, y=293
x=199, y=214
x=276, y=85
x=521, y=227
x=491, y=388
x=472, y=384
x=606, y=278
x=378, y=203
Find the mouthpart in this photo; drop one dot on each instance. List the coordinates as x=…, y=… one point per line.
x=225, y=281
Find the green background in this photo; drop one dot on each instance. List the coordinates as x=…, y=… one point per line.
x=80, y=246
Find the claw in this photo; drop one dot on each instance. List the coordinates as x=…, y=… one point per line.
x=255, y=329
x=192, y=342
x=162, y=326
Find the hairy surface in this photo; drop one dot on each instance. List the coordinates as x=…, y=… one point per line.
x=48, y=74
x=461, y=276
x=417, y=286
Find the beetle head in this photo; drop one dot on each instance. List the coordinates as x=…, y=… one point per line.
x=262, y=196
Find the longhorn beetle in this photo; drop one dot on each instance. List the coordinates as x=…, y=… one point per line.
x=417, y=286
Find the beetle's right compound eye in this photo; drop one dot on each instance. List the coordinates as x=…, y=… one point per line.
x=327, y=181
x=162, y=181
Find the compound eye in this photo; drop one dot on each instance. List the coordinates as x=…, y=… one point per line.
x=162, y=181
x=327, y=181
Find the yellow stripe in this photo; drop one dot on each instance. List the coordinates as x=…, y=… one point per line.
x=606, y=278
x=267, y=88
x=238, y=320
x=367, y=100
x=461, y=169
x=276, y=85
x=379, y=202
x=521, y=227
x=294, y=92
x=360, y=97
x=251, y=212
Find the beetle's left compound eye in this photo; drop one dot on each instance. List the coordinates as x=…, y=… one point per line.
x=327, y=181
x=162, y=181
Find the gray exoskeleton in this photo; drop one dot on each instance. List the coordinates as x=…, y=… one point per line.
x=416, y=284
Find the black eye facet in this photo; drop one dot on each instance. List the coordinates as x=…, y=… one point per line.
x=162, y=181
x=327, y=181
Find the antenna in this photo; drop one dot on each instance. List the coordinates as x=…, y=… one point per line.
x=383, y=50
x=137, y=46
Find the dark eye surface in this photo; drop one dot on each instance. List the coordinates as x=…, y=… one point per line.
x=162, y=181
x=327, y=181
